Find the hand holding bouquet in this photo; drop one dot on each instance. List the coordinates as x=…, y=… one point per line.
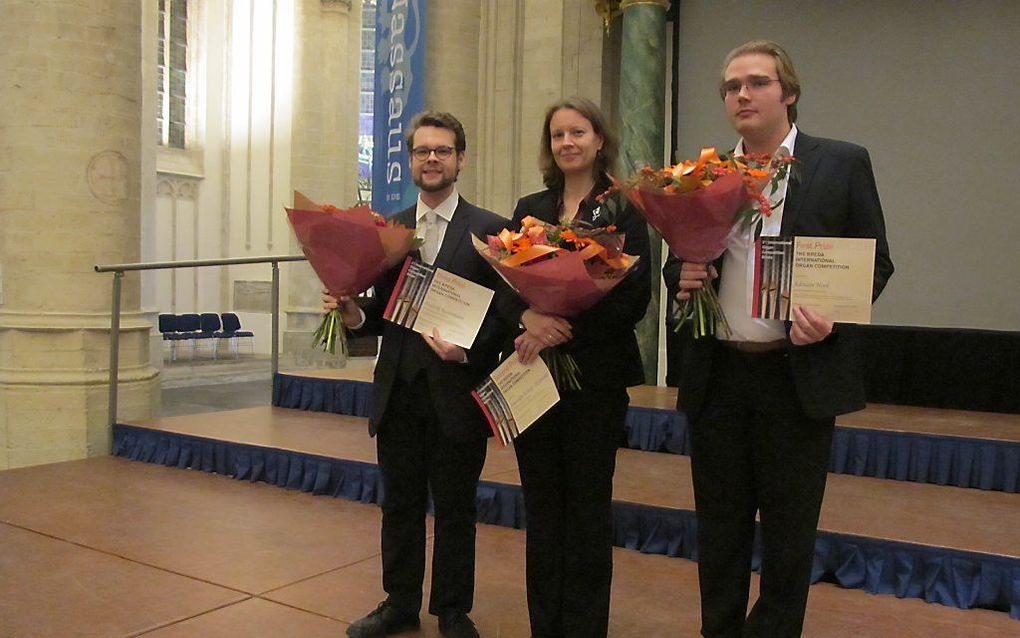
x=559, y=270
x=348, y=249
x=696, y=206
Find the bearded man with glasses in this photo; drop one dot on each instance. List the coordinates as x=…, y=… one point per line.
x=762, y=400
x=431, y=435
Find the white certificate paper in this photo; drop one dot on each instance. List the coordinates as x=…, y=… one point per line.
x=830, y=275
x=427, y=298
x=515, y=395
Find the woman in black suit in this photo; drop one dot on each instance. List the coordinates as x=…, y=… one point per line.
x=568, y=457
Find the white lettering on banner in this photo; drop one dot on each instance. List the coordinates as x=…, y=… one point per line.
x=393, y=166
x=396, y=80
x=396, y=110
x=398, y=87
x=395, y=141
x=397, y=53
x=393, y=171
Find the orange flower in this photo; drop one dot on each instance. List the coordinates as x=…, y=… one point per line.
x=507, y=238
x=537, y=235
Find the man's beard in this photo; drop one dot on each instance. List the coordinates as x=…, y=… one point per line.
x=435, y=187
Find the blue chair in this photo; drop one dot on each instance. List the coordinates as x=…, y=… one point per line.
x=209, y=326
x=168, y=329
x=189, y=328
x=232, y=331
x=188, y=323
x=167, y=324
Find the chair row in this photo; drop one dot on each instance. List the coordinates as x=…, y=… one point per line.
x=193, y=328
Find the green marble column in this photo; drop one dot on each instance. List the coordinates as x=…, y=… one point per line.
x=642, y=120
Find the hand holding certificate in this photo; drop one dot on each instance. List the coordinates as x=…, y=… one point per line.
x=515, y=396
x=832, y=276
x=427, y=298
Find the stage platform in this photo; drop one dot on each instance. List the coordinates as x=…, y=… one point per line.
x=941, y=544
x=110, y=547
x=927, y=445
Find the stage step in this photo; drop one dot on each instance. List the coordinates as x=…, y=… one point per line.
x=926, y=445
x=945, y=545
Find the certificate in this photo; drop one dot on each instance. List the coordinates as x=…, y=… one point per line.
x=830, y=275
x=427, y=298
x=515, y=395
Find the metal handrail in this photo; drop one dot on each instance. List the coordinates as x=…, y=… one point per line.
x=118, y=271
x=195, y=263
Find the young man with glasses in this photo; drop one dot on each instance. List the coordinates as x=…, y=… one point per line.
x=762, y=400
x=431, y=436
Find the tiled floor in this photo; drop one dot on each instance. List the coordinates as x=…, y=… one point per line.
x=213, y=398
x=111, y=547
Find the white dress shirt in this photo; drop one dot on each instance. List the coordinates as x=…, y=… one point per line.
x=737, y=278
x=444, y=214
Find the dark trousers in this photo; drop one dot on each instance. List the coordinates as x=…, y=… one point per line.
x=754, y=450
x=414, y=457
x=567, y=460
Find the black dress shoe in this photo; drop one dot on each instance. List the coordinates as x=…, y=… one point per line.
x=384, y=621
x=457, y=626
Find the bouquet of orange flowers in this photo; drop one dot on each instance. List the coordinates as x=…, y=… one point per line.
x=559, y=270
x=696, y=206
x=348, y=249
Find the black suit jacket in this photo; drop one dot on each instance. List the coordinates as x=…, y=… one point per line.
x=832, y=193
x=450, y=383
x=603, y=343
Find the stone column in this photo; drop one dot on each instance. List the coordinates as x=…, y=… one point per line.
x=642, y=131
x=70, y=124
x=324, y=164
x=451, y=75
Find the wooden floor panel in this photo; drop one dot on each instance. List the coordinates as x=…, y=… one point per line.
x=61, y=579
x=52, y=587
x=181, y=522
x=253, y=617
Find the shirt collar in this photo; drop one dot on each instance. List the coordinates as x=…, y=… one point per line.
x=444, y=210
x=785, y=147
x=590, y=201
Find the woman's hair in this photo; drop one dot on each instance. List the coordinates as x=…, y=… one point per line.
x=605, y=159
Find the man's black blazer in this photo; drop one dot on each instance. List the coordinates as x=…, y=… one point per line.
x=450, y=383
x=832, y=193
x=603, y=344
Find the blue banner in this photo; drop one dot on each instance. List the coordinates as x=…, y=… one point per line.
x=399, y=96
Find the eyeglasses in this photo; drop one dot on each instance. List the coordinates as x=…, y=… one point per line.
x=754, y=84
x=421, y=153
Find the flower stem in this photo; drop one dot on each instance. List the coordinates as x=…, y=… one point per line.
x=705, y=313
x=331, y=332
x=563, y=368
